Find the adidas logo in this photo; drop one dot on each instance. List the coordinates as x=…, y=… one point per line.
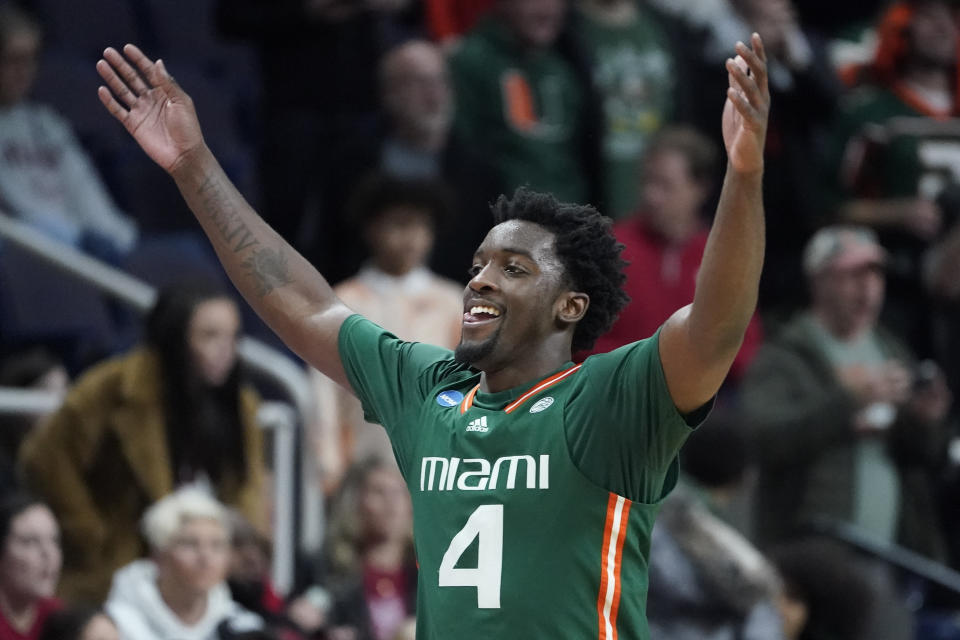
x=480, y=424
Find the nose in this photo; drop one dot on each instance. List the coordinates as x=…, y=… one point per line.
x=483, y=280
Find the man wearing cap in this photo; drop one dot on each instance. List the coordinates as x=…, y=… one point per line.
x=845, y=423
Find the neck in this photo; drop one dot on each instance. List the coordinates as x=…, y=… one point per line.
x=425, y=141
x=389, y=555
x=20, y=612
x=839, y=330
x=524, y=368
x=185, y=604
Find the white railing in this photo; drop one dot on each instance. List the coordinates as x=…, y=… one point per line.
x=256, y=355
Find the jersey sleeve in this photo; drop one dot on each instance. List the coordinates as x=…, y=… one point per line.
x=391, y=377
x=622, y=428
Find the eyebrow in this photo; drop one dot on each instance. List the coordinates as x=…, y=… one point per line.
x=512, y=250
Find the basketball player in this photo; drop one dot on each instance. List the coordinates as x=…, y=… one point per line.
x=535, y=481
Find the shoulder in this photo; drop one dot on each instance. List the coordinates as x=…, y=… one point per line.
x=793, y=342
x=447, y=289
x=476, y=47
x=46, y=117
x=135, y=374
x=352, y=290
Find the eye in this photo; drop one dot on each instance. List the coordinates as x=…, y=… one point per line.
x=474, y=270
x=514, y=270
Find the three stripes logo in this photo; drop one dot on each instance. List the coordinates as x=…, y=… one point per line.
x=479, y=424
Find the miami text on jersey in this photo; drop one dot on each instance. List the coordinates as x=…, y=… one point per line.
x=477, y=474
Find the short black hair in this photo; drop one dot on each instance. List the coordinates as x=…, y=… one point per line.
x=377, y=192
x=587, y=249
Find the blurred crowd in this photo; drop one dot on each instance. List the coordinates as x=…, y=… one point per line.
x=819, y=501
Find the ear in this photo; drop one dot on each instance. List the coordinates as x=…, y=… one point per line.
x=571, y=306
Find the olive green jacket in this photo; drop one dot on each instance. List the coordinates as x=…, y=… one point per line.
x=799, y=417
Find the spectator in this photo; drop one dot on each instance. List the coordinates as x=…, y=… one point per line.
x=171, y=412
x=843, y=428
x=706, y=579
x=895, y=150
x=80, y=624
x=397, y=219
x=46, y=178
x=805, y=89
x=251, y=587
x=447, y=21
x=29, y=567
x=636, y=73
x=664, y=240
x=372, y=570
x=525, y=100
x=416, y=143
x=34, y=368
x=314, y=109
x=180, y=593
x=830, y=594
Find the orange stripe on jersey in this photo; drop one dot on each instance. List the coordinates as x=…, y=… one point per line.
x=615, y=607
x=549, y=382
x=614, y=535
x=601, y=597
x=537, y=388
x=468, y=400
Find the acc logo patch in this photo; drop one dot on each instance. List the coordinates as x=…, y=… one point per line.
x=541, y=405
x=449, y=398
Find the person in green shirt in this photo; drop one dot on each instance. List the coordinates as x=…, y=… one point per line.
x=535, y=481
x=634, y=70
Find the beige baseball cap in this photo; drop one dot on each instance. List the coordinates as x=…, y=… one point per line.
x=842, y=247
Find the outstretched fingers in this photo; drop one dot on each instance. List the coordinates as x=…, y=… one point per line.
x=154, y=72
x=756, y=60
x=114, y=107
x=740, y=81
x=128, y=74
x=116, y=85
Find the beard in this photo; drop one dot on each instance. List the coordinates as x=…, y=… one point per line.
x=471, y=353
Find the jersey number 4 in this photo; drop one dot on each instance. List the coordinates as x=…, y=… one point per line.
x=486, y=524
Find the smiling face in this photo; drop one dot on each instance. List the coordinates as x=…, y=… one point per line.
x=514, y=300
x=30, y=558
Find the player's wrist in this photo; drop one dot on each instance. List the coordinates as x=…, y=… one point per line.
x=197, y=160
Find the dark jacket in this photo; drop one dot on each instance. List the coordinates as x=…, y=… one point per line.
x=800, y=420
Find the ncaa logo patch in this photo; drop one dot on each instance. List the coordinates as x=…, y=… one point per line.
x=541, y=405
x=449, y=398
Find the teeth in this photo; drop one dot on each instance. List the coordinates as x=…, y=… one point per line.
x=488, y=310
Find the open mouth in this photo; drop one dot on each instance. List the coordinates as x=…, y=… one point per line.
x=481, y=314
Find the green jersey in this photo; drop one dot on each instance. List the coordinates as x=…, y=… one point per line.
x=533, y=506
x=634, y=71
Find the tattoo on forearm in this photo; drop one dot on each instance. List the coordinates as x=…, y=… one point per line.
x=216, y=205
x=269, y=269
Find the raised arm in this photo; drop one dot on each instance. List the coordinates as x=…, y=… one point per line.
x=284, y=289
x=699, y=342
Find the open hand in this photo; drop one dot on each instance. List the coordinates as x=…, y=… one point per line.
x=150, y=105
x=747, y=108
